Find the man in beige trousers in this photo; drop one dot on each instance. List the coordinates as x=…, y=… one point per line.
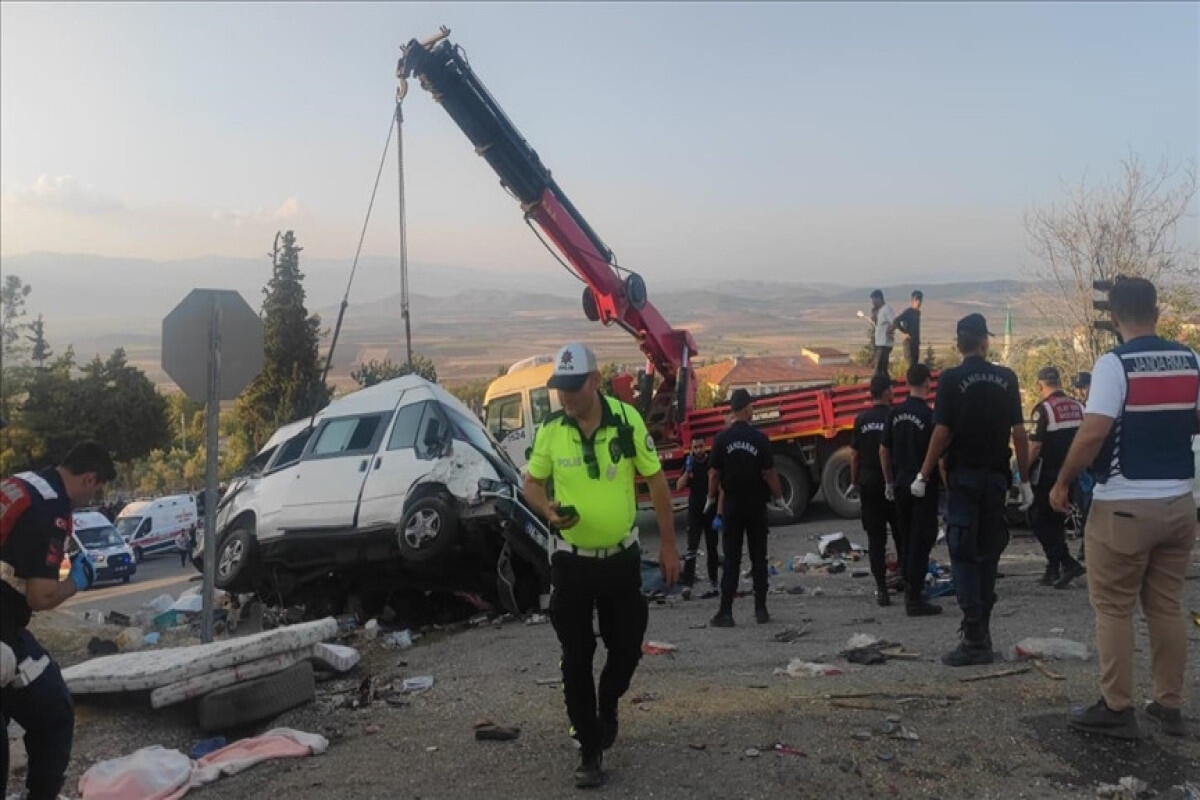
x=1143, y=409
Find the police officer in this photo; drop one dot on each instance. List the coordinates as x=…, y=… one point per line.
x=35, y=521
x=901, y=452
x=592, y=452
x=866, y=473
x=1142, y=412
x=1056, y=418
x=694, y=478
x=744, y=470
x=977, y=411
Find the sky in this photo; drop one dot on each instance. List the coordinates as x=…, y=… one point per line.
x=830, y=142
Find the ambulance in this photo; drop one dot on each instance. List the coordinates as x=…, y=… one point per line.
x=154, y=526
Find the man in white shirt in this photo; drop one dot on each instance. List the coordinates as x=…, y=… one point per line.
x=1142, y=411
x=882, y=316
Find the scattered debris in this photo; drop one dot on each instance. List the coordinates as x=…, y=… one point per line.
x=799, y=668
x=537, y=619
x=795, y=589
x=883, y=755
x=131, y=639
x=658, y=648
x=370, y=730
x=818, y=592
x=203, y=748
x=644, y=697
x=832, y=544
x=398, y=640
x=1042, y=668
x=787, y=749
x=1049, y=648
x=431, y=749
x=496, y=733
x=371, y=629
x=548, y=681
x=1004, y=673
x=418, y=684
x=789, y=635
x=102, y=647
x=698, y=745
x=752, y=752
x=836, y=567
x=902, y=732
x=1128, y=788
x=117, y=618
x=862, y=736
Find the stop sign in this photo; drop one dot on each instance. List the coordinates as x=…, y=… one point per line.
x=217, y=322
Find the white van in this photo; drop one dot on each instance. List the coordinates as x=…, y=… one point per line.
x=95, y=534
x=152, y=526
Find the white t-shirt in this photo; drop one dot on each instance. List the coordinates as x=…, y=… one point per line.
x=883, y=318
x=1107, y=397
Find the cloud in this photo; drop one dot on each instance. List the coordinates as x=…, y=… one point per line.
x=289, y=209
x=64, y=193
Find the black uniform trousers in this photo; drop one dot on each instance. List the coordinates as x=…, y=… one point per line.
x=1050, y=526
x=699, y=524
x=44, y=709
x=744, y=520
x=917, y=527
x=882, y=356
x=613, y=587
x=877, y=514
x=912, y=350
x=977, y=533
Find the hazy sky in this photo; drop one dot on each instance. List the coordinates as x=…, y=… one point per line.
x=807, y=141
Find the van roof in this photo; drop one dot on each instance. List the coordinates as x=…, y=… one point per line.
x=83, y=520
x=514, y=380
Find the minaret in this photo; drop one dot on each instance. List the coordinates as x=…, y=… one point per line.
x=1007, y=334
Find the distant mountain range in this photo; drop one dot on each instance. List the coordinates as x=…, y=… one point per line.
x=472, y=322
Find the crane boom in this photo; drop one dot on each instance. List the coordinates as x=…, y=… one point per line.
x=442, y=69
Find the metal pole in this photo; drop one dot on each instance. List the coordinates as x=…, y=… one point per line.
x=210, y=469
x=403, y=235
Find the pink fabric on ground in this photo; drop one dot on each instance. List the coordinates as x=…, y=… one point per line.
x=155, y=773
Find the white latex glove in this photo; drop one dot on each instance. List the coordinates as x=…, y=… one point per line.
x=1026, y=496
x=710, y=504
x=777, y=504
x=917, y=489
x=889, y=492
x=8, y=666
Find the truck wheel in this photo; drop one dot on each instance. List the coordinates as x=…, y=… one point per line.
x=840, y=494
x=429, y=529
x=235, y=558
x=794, y=482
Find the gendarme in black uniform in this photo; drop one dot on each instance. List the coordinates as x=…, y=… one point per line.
x=699, y=523
x=741, y=453
x=979, y=402
x=877, y=511
x=1056, y=420
x=35, y=521
x=906, y=436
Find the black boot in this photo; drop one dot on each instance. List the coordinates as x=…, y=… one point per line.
x=1071, y=570
x=973, y=647
x=1050, y=575
x=589, y=773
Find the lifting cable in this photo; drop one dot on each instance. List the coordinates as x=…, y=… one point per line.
x=392, y=125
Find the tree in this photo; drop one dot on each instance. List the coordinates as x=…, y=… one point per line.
x=375, y=371
x=12, y=308
x=289, y=385
x=40, y=352
x=1126, y=228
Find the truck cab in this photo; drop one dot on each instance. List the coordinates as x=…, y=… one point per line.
x=517, y=402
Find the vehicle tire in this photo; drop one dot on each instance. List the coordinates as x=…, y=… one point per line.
x=429, y=529
x=794, y=481
x=235, y=558
x=841, y=496
x=138, y=555
x=256, y=700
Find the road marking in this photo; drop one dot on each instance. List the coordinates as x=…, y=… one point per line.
x=128, y=588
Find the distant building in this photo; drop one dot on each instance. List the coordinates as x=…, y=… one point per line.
x=761, y=375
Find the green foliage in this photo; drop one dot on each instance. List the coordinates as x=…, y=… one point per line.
x=12, y=308
x=472, y=392
x=40, y=351
x=707, y=395
x=289, y=386
x=111, y=403
x=1030, y=355
x=375, y=371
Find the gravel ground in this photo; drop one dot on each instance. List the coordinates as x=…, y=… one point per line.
x=714, y=710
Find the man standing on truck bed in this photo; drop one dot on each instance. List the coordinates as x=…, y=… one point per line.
x=593, y=451
x=978, y=409
x=882, y=316
x=866, y=472
x=743, y=469
x=908, y=322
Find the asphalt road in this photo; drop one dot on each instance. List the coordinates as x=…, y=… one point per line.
x=158, y=574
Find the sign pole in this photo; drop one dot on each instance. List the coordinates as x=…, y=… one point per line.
x=210, y=468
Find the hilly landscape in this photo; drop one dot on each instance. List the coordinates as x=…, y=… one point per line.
x=472, y=322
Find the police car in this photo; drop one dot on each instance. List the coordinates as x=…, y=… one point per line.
x=94, y=533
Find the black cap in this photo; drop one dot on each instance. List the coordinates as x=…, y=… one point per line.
x=1083, y=380
x=880, y=384
x=974, y=324
x=1049, y=375
x=740, y=399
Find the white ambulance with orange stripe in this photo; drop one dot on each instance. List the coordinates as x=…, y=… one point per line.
x=154, y=526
